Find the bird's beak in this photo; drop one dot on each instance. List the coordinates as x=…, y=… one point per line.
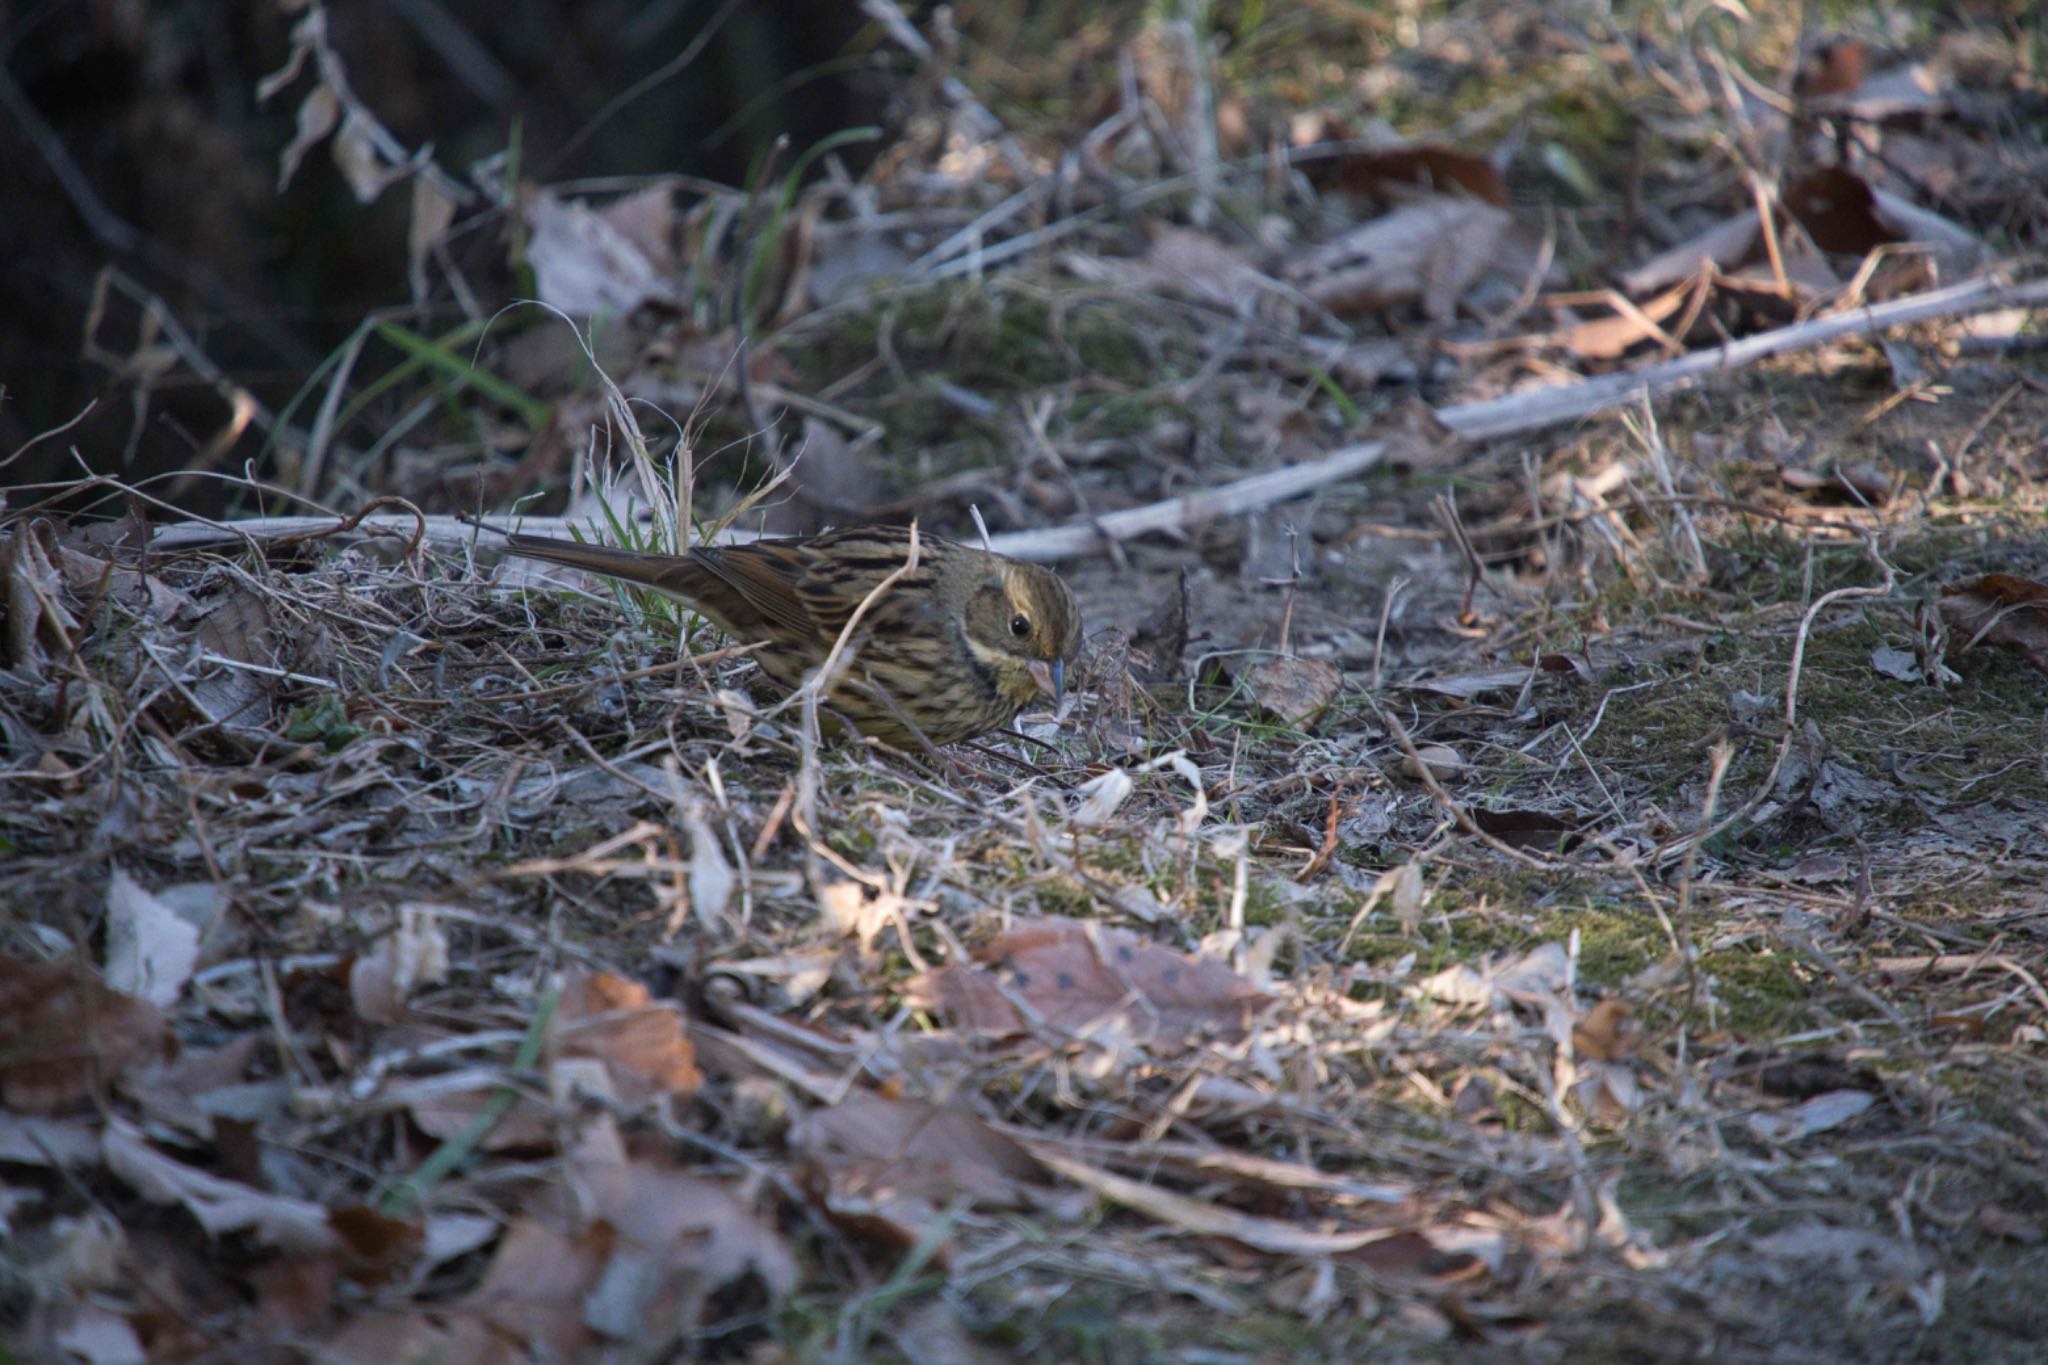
x=1050, y=678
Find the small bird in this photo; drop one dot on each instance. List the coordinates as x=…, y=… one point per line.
x=953, y=649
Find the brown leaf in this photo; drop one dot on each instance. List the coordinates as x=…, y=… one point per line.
x=293, y=1293
x=443, y=1114
x=1862, y=484
x=1076, y=976
x=238, y=629
x=1837, y=210
x=1835, y=65
x=1425, y=253
x=1607, y=338
x=1604, y=1035
x=37, y=621
x=643, y=1044
x=1296, y=690
x=891, y=1168
x=1724, y=245
x=1188, y=264
x=537, y=1282
x=2000, y=609
x=1389, y=174
x=377, y=1244
x=64, y=1036
x=1528, y=829
x=681, y=1239
x=413, y=954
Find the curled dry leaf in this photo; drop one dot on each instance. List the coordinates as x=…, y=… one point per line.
x=413, y=954
x=1101, y=796
x=445, y=1106
x=1189, y=264
x=1902, y=665
x=1816, y=1115
x=151, y=949
x=583, y=264
x=67, y=1035
x=1540, y=976
x=1074, y=976
x=891, y=1168
x=1608, y=338
x=1605, y=1034
x=1426, y=253
x=236, y=630
x=37, y=621
x=642, y=1043
x=846, y=908
x=1844, y=213
x=681, y=1238
x=1529, y=829
x=220, y=1206
x=712, y=880
x=1295, y=690
x=1392, y=174
x=1466, y=686
x=2000, y=609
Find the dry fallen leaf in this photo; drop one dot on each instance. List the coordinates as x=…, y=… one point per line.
x=892, y=1168
x=1100, y=797
x=2000, y=609
x=681, y=1239
x=1608, y=338
x=446, y=1108
x=642, y=1043
x=1403, y=1251
x=1392, y=174
x=1075, y=975
x=220, y=1206
x=1426, y=253
x=66, y=1035
x=237, y=629
x=1186, y=263
x=413, y=954
x=1535, y=829
x=1604, y=1034
x=151, y=949
x=1296, y=690
x=1816, y=1115
x=583, y=264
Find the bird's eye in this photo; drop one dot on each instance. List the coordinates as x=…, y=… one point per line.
x=1020, y=624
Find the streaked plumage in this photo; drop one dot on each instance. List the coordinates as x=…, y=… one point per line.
x=956, y=648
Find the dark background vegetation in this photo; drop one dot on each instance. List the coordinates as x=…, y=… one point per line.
x=131, y=136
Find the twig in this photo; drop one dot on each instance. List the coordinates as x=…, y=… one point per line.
x=1517, y=414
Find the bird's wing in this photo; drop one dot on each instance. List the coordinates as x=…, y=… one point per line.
x=845, y=566
x=765, y=578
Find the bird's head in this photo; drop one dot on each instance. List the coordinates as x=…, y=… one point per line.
x=1023, y=625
